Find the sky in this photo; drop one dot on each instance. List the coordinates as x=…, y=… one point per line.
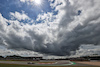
x=49, y=28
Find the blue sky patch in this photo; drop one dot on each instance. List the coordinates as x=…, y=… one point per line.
x=7, y=6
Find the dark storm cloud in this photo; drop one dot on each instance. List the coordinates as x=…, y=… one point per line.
x=1, y=41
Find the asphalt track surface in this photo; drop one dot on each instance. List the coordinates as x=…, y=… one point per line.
x=45, y=63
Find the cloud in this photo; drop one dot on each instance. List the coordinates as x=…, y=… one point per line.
x=4, y=52
x=19, y=16
x=22, y=0
x=62, y=34
x=88, y=49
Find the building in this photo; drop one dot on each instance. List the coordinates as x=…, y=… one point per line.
x=92, y=57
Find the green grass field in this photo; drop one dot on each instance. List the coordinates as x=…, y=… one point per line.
x=14, y=65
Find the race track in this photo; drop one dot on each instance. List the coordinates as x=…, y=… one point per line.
x=49, y=63
x=41, y=63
